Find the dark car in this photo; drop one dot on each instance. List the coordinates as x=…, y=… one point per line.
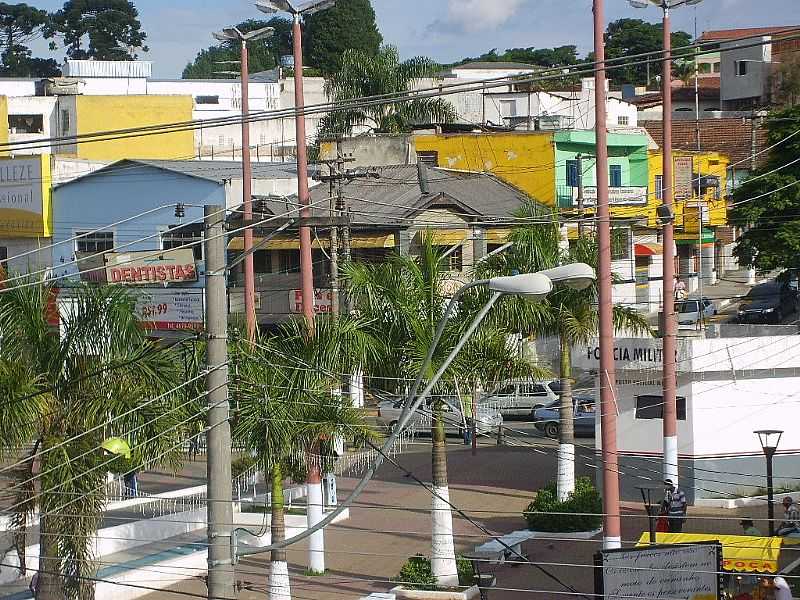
x=767, y=303
x=547, y=419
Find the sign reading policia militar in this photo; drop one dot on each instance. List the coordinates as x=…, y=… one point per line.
x=25, y=196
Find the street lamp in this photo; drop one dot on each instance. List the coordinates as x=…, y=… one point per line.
x=234, y=34
x=769, y=439
x=669, y=378
x=298, y=11
x=533, y=286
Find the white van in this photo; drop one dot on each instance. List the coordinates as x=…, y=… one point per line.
x=514, y=398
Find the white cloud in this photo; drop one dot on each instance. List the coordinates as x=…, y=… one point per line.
x=478, y=15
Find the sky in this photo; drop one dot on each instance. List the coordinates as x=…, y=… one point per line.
x=445, y=30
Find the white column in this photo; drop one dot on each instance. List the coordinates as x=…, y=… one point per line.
x=565, y=483
x=279, y=581
x=671, y=459
x=316, y=542
x=443, y=554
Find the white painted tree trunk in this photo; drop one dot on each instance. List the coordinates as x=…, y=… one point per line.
x=565, y=483
x=443, y=554
x=279, y=588
x=357, y=388
x=316, y=542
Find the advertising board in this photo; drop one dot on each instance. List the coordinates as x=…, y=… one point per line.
x=25, y=199
x=151, y=267
x=323, y=301
x=679, y=572
x=170, y=309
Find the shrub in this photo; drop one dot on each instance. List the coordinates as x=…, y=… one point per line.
x=584, y=503
x=417, y=573
x=241, y=464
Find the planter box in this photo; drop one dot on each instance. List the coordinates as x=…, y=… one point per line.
x=402, y=593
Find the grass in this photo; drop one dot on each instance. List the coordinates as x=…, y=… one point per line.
x=312, y=573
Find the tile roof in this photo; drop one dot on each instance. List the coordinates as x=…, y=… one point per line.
x=681, y=94
x=396, y=196
x=730, y=136
x=722, y=35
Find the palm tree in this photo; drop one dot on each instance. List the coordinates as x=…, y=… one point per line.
x=68, y=390
x=363, y=74
x=403, y=300
x=288, y=406
x=568, y=314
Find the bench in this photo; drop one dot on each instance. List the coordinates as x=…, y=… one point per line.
x=497, y=549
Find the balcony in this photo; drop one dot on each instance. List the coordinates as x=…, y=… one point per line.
x=567, y=196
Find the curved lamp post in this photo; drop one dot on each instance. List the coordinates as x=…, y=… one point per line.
x=769, y=439
x=534, y=286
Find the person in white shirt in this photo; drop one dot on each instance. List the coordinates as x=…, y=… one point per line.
x=782, y=589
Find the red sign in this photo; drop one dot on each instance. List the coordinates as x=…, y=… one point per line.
x=323, y=301
x=153, y=274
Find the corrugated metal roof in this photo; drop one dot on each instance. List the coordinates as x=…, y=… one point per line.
x=108, y=68
x=396, y=196
x=210, y=170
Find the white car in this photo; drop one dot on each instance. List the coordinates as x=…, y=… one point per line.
x=515, y=398
x=688, y=311
x=488, y=419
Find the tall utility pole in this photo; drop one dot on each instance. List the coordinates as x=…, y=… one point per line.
x=608, y=409
x=234, y=34
x=221, y=582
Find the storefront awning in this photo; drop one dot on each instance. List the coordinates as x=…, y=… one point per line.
x=284, y=243
x=648, y=249
x=740, y=553
x=443, y=237
x=497, y=236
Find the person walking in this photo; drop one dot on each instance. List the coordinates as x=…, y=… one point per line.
x=675, y=506
x=791, y=518
x=749, y=527
x=466, y=408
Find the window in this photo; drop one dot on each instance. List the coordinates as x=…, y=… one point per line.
x=659, y=187
x=207, y=99
x=289, y=261
x=652, y=407
x=573, y=179
x=454, y=261
x=262, y=261
x=615, y=175
x=620, y=243
x=94, y=243
x=428, y=158
x=741, y=68
x=623, y=120
x=65, y=124
x=26, y=123
x=508, y=108
x=704, y=68
x=717, y=67
x=178, y=237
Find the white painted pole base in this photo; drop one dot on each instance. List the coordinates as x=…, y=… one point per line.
x=443, y=553
x=316, y=542
x=612, y=542
x=671, y=459
x=751, y=276
x=279, y=581
x=357, y=389
x=565, y=483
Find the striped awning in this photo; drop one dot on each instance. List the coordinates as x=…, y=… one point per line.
x=497, y=236
x=443, y=237
x=648, y=249
x=288, y=243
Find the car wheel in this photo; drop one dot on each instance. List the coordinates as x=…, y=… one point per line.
x=551, y=430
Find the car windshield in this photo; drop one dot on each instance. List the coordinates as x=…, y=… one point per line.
x=762, y=292
x=686, y=307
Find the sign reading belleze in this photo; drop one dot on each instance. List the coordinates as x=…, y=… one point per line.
x=25, y=196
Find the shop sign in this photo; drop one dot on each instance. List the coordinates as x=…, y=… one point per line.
x=170, y=309
x=25, y=199
x=323, y=301
x=617, y=196
x=151, y=267
x=631, y=354
x=683, y=173
x=681, y=571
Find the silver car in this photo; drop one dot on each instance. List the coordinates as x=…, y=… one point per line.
x=516, y=398
x=688, y=311
x=487, y=421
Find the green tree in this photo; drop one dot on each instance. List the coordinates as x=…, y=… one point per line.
x=363, y=74
x=567, y=314
x=403, y=300
x=288, y=406
x=786, y=81
x=262, y=55
x=768, y=207
x=112, y=28
x=65, y=392
x=20, y=24
x=544, y=57
x=328, y=34
x=626, y=37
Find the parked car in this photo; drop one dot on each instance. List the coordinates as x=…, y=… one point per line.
x=487, y=421
x=515, y=398
x=688, y=311
x=767, y=303
x=548, y=418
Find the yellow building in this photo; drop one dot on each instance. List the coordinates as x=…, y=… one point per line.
x=95, y=114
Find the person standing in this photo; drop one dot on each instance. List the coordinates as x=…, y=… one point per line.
x=791, y=518
x=782, y=589
x=675, y=506
x=749, y=527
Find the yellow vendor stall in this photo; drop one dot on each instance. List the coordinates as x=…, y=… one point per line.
x=744, y=560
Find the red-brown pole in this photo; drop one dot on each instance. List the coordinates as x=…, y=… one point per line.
x=669, y=382
x=608, y=409
x=247, y=202
x=306, y=265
